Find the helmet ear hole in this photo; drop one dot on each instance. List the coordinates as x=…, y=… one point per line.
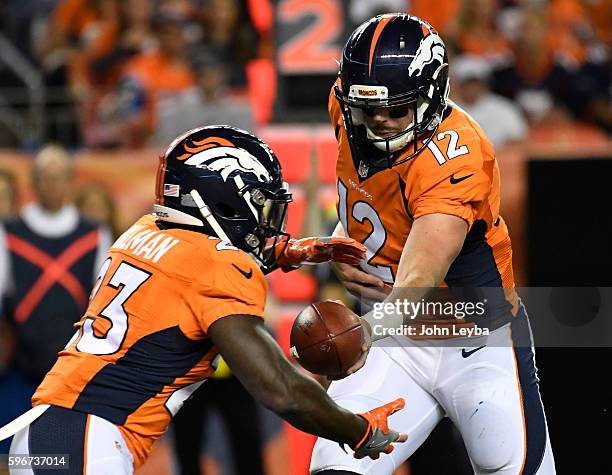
x=226, y=211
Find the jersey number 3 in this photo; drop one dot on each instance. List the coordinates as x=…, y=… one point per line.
x=126, y=280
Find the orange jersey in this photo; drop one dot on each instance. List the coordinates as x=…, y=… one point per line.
x=456, y=174
x=142, y=348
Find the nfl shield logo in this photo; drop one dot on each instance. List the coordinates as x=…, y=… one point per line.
x=363, y=169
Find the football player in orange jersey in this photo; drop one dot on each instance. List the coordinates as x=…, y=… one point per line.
x=418, y=185
x=179, y=288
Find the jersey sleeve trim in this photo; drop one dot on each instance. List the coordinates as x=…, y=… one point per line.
x=228, y=308
x=444, y=206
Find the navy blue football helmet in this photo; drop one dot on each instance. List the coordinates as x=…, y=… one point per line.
x=227, y=183
x=395, y=61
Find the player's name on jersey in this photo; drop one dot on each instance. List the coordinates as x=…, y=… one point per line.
x=146, y=243
x=432, y=330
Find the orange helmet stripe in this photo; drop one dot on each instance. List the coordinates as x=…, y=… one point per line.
x=161, y=169
x=209, y=142
x=379, y=28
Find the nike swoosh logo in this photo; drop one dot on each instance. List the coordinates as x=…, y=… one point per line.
x=454, y=180
x=248, y=274
x=378, y=446
x=377, y=443
x=465, y=354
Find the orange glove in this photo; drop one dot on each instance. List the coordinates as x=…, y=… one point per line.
x=378, y=437
x=293, y=253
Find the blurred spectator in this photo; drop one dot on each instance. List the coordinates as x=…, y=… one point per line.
x=207, y=104
x=151, y=78
x=552, y=81
x=599, y=14
x=8, y=208
x=96, y=203
x=533, y=78
x=9, y=195
x=476, y=31
x=49, y=256
x=439, y=13
x=135, y=36
x=177, y=8
x=227, y=33
x=499, y=117
x=78, y=32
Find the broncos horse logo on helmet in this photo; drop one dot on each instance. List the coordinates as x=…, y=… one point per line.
x=431, y=49
x=227, y=160
x=224, y=182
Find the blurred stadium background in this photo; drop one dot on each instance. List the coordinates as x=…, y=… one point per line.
x=115, y=80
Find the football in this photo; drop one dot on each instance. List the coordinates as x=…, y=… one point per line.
x=326, y=338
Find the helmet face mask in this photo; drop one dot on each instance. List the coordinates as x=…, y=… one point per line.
x=227, y=183
x=395, y=62
x=272, y=217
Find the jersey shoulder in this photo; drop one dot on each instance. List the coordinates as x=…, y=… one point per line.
x=468, y=131
x=229, y=272
x=180, y=253
x=454, y=173
x=459, y=145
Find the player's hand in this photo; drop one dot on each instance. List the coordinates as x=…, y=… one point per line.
x=365, y=349
x=362, y=285
x=293, y=253
x=378, y=437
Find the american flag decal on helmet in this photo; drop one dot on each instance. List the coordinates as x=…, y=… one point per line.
x=171, y=190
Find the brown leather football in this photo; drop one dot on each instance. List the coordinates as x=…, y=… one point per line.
x=326, y=338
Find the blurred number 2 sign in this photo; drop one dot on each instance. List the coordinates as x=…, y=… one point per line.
x=309, y=31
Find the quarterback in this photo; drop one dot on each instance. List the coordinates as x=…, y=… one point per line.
x=418, y=185
x=179, y=288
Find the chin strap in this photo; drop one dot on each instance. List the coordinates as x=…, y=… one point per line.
x=208, y=216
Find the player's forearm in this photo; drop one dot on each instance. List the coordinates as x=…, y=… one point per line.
x=312, y=410
x=263, y=370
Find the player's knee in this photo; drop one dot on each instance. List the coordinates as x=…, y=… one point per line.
x=489, y=437
x=336, y=472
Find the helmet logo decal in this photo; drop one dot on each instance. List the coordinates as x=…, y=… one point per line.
x=171, y=190
x=431, y=49
x=227, y=160
x=385, y=19
x=205, y=144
